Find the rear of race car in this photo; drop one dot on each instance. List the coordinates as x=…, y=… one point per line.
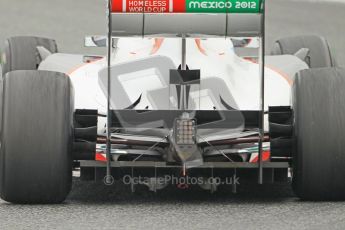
x=180, y=100
x=184, y=96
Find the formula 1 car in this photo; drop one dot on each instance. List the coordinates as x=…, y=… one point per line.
x=186, y=90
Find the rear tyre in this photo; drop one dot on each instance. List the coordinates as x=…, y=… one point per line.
x=319, y=131
x=35, y=156
x=320, y=55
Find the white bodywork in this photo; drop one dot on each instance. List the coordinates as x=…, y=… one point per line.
x=214, y=57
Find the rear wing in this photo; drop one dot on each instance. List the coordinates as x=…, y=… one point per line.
x=184, y=19
x=190, y=18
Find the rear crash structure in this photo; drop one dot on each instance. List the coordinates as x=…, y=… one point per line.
x=185, y=91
